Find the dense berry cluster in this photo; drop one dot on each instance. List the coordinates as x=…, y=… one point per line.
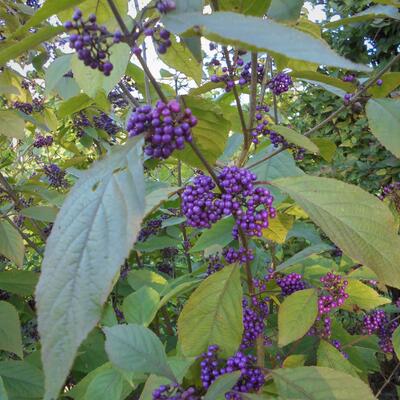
x=26, y=108
x=349, y=78
x=174, y=392
x=379, y=323
x=338, y=345
x=151, y=227
x=104, y=122
x=165, y=6
x=251, y=378
x=33, y=3
x=55, y=175
x=167, y=127
x=290, y=283
x=165, y=267
x=43, y=141
x=214, y=264
x=80, y=122
x=390, y=190
x=161, y=38
x=92, y=42
x=280, y=83
x=241, y=256
x=254, y=314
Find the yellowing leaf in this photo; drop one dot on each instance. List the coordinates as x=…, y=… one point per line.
x=278, y=228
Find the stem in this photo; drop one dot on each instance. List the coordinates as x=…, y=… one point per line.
x=271, y=70
x=267, y=157
x=253, y=89
x=119, y=19
x=128, y=94
x=388, y=380
x=168, y=325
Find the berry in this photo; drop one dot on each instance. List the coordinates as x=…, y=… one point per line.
x=291, y=283
x=379, y=82
x=349, y=78
x=104, y=122
x=214, y=264
x=80, y=122
x=242, y=256
x=254, y=315
x=43, y=141
x=165, y=6
x=55, y=175
x=280, y=83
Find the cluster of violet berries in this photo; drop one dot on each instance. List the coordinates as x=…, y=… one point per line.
x=55, y=175
x=280, y=83
x=92, y=42
x=290, y=283
x=43, y=141
x=107, y=124
x=214, y=264
x=338, y=345
x=174, y=392
x=161, y=38
x=251, y=378
x=241, y=255
x=167, y=127
x=378, y=323
x=165, y=6
x=29, y=108
x=80, y=122
x=389, y=190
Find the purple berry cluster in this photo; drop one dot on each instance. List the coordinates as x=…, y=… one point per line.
x=242, y=256
x=79, y=123
x=26, y=108
x=165, y=6
x=107, y=124
x=43, y=141
x=251, y=378
x=161, y=38
x=165, y=267
x=349, y=78
x=151, y=228
x=214, y=264
x=55, y=175
x=167, y=127
x=389, y=190
x=92, y=42
x=338, y=345
x=290, y=283
x=254, y=314
x=379, y=323
x=346, y=98
x=175, y=392
x=280, y=83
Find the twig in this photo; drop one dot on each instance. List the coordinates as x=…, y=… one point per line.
x=275, y=102
x=388, y=380
x=253, y=89
x=283, y=148
x=168, y=325
x=119, y=19
x=128, y=94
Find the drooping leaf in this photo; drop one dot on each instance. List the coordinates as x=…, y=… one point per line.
x=390, y=81
x=319, y=383
x=215, y=309
x=19, y=282
x=137, y=349
x=257, y=34
x=384, y=121
x=296, y=138
x=11, y=125
x=363, y=296
x=83, y=255
x=222, y=385
x=10, y=329
x=296, y=315
x=318, y=77
x=11, y=243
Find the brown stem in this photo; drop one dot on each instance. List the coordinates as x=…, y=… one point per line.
x=267, y=157
x=275, y=102
x=387, y=381
x=128, y=94
x=119, y=19
x=168, y=326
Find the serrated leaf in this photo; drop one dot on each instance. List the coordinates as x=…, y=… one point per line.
x=296, y=138
x=11, y=125
x=319, y=383
x=254, y=33
x=356, y=221
x=363, y=296
x=384, y=121
x=10, y=329
x=296, y=315
x=278, y=228
x=137, y=349
x=141, y=306
x=92, y=235
x=11, y=243
x=222, y=385
x=215, y=309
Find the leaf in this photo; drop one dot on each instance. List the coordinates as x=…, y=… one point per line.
x=10, y=329
x=56, y=70
x=92, y=81
x=329, y=356
x=285, y=10
x=278, y=228
x=318, y=77
x=296, y=138
x=210, y=133
x=180, y=58
x=92, y=235
x=141, y=306
x=257, y=34
x=319, y=383
x=74, y=104
x=391, y=81
x=22, y=380
x=220, y=234
x=215, y=309
x=157, y=243
x=248, y=7
x=19, y=282
x=223, y=384
x=28, y=43
x=374, y=12
x=11, y=243
x=11, y=125
x=357, y=222
x=156, y=196
x=106, y=385
x=294, y=360
x=327, y=148
x=384, y=121
x=41, y=213
x=3, y=392
x=178, y=290
x=137, y=349
x=396, y=341
x=363, y=296
x=296, y=315
x=139, y=278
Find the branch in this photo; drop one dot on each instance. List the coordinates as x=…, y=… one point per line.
x=128, y=94
x=388, y=380
x=271, y=70
x=276, y=152
x=119, y=19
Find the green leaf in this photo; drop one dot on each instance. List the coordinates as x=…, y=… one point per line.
x=141, y=306
x=391, y=81
x=157, y=243
x=248, y=7
x=296, y=138
x=137, y=349
x=93, y=234
x=139, y=278
x=396, y=341
x=223, y=384
x=106, y=385
x=11, y=243
x=329, y=356
x=296, y=315
x=178, y=290
x=210, y=133
x=74, y=104
x=180, y=58
x=363, y=296
x=41, y=213
x=384, y=121
x=327, y=148
x=22, y=380
x=220, y=234
x=319, y=383
x=28, y=43
x=3, y=392
x=92, y=81
x=278, y=228
x=156, y=195
x=285, y=10
x=374, y=12
x=19, y=282
x=10, y=329
x=56, y=70
x=356, y=221
x=318, y=77
x=254, y=33
x=11, y=125
x=215, y=309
